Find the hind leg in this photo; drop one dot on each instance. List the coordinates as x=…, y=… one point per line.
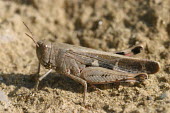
x=98, y=75
x=81, y=81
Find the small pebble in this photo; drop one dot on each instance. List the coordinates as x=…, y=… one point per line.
x=1, y=78
x=164, y=95
x=149, y=98
x=4, y=97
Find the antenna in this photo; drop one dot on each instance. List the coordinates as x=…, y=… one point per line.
x=32, y=36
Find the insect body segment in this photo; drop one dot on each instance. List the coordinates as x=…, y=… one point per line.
x=43, y=51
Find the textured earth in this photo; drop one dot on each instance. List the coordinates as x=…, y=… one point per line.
x=108, y=25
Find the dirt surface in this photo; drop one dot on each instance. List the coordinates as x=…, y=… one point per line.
x=100, y=24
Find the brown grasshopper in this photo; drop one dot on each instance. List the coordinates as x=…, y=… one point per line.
x=86, y=65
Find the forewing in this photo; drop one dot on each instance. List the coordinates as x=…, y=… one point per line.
x=115, y=62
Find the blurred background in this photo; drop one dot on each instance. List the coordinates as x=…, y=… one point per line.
x=108, y=25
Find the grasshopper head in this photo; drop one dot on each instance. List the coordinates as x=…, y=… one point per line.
x=43, y=50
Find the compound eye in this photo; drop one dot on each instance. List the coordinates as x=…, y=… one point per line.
x=46, y=45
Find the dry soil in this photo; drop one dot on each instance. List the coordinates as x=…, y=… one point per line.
x=108, y=25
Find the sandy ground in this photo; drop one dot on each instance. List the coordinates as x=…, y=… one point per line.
x=112, y=25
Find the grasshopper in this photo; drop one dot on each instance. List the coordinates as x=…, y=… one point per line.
x=86, y=65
